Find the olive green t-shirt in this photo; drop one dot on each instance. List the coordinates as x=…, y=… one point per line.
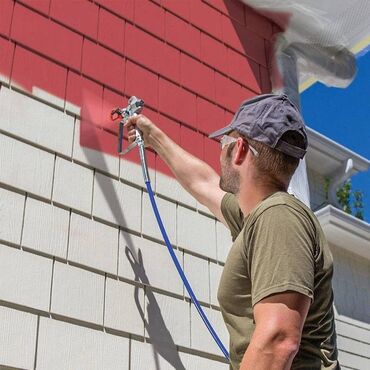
x=278, y=247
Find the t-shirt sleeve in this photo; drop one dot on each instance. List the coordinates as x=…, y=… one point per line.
x=281, y=253
x=232, y=213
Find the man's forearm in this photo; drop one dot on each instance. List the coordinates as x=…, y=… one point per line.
x=189, y=170
x=268, y=356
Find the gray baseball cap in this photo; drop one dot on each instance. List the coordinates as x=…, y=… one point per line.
x=266, y=118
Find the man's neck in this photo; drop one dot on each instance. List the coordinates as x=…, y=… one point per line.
x=250, y=195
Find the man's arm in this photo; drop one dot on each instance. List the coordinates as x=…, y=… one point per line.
x=195, y=176
x=279, y=322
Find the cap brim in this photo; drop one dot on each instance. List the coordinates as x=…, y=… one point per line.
x=220, y=132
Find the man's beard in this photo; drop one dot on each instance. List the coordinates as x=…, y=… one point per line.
x=229, y=180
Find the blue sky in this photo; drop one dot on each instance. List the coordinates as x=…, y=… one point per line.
x=344, y=116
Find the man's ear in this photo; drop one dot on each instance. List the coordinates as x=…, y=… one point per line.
x=240, y=152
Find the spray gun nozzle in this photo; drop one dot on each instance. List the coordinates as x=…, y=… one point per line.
x=115, y=114
x=135, y=106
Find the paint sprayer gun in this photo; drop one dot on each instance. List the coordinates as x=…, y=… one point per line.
x=135, y=106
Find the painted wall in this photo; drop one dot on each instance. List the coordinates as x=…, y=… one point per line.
x=85, y=280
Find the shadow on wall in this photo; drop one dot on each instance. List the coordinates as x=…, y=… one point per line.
x=159, y=335
x=257, y=40
x=155, y=326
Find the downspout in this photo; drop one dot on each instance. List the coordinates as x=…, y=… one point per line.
x=284, y=78
x=340, y=65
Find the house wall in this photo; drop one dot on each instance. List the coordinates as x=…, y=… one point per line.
x=86, y=282
x=351, y=293
x=316, y=183
x=352, y=302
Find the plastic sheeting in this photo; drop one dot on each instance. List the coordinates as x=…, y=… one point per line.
x=322, y=33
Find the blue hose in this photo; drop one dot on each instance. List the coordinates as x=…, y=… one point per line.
x=181, y=272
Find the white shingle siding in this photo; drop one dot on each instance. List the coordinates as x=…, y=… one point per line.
x=317, y=189
x=168, y=319
x=77, y=294
x=73, y=185
x=25, y=278
x=45, y=228
x=117, y=202
x=170, y=188
x=93, y=244
x=351, y=284
x=25, y=167
x=197, y=271
x=153, y=357
x=201, y=339
x=17, y=338
x=196, y=232
x=223, y=241
x=167, y=211
x=66, y=346
x=192, y=362
x=11, y=216
x=132, y=172
x=124, y=307
x=147, y=262
x=36, y=122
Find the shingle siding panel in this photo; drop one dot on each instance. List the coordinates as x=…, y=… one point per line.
x=11, y=216
x=45, y=228
x=25, y=278
x=17, y=338
x=26, y=167
x=77, y=294
x=37, y=122
x=65, y=346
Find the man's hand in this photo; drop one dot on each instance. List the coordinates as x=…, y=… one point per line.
x=196, y=176
x=279, y=323
x=146, y=126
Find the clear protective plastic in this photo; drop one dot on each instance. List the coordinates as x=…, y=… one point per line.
x=322, y=33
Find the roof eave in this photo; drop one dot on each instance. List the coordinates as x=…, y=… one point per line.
x=345, y=231
x=326, y=156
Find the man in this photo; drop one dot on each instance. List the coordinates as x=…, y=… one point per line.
x=275, y=291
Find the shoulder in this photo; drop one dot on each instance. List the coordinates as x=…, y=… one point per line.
x=282, y=210
x=232, y=214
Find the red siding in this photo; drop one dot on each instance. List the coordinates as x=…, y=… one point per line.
x=124, y=8
x=213, y=52
x=111, y=31
x=150, y=17
x=192, y=62
x=83, y=18
x=6, y=57
x=78, y=86
x=192, y=141
x=182, y=35
x=210, y=117
x=6, y=9
x=41, y=6
x=50, y=39
x=37, y=72
x=146, y=87
x=197, y=77
x=102, y=65
x=178, y=103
